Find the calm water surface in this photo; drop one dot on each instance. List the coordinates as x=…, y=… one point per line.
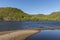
x=46, y=35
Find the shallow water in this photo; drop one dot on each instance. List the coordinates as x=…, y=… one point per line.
x=46, y=35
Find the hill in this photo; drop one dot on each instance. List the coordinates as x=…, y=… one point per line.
x=38, y=17
x=54, y=16
x=14, y=14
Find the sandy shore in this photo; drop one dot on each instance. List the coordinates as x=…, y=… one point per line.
x=17, y=35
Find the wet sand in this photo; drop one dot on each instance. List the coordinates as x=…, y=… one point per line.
x=17, y=35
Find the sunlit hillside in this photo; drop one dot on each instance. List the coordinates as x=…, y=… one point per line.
x=15, y=14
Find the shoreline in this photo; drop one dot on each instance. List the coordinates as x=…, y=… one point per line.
x=32, y=35
x=18, y=35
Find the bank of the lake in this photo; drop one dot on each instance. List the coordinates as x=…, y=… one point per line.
x=17, y=35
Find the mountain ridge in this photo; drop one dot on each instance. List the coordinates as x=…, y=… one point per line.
x=15, y=14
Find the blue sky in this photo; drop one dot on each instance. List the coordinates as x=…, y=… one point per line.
x=33, y=6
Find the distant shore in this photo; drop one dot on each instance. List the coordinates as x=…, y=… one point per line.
x=17, y=35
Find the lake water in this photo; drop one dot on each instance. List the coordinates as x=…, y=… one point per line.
x=43, y=35
x=46, y=35
x=28, y=24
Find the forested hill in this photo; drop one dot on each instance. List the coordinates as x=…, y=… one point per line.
x=14, y=14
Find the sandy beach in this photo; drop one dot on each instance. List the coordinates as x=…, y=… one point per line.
x=17, y=35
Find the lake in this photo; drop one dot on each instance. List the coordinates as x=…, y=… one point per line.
x=46, y=35
x=42, y=35
x=27, y=24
